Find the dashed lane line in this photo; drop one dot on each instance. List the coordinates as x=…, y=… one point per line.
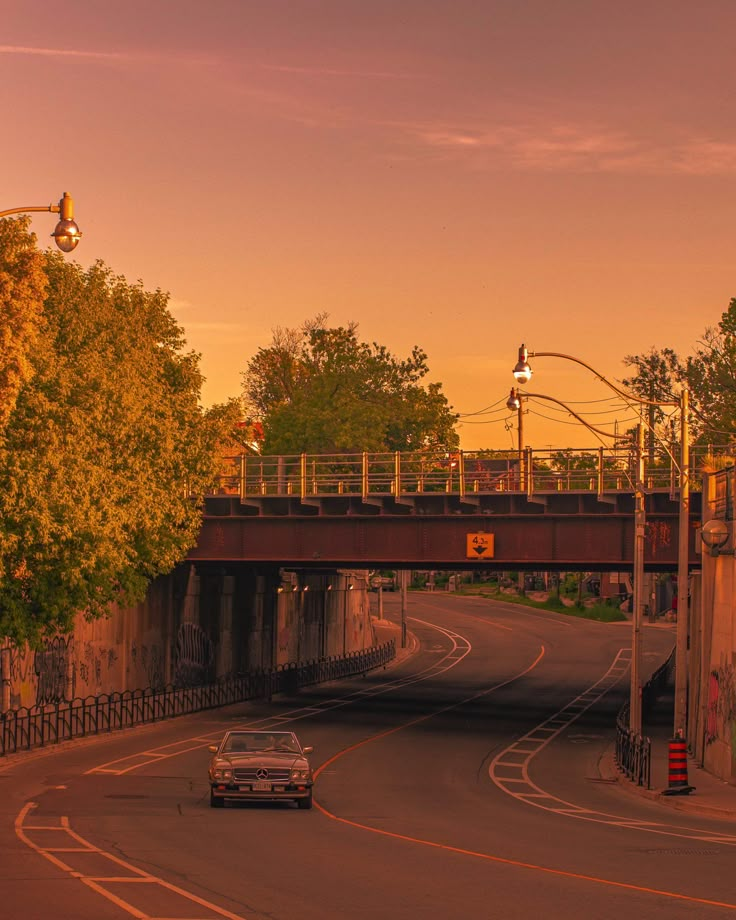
x=509, y=770
x=459, y=649
x=180, y=900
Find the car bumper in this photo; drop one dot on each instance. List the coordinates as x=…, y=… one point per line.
x=288, y=792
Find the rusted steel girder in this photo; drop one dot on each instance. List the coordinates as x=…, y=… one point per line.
x=546, y=541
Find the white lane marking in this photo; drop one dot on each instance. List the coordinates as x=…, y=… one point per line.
x=98, y=882
x=460, y=648
x=516, y=759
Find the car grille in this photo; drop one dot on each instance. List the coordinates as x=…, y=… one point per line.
x=249, y=775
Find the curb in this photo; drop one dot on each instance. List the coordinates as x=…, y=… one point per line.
x=609, y=772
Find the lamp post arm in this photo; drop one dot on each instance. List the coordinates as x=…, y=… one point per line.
x=612, y=386
x=53, y=208
x=601, y=431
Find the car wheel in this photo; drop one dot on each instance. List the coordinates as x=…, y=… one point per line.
x=306, y=803
x=216, y=801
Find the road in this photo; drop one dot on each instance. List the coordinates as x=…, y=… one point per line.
x=462, y=782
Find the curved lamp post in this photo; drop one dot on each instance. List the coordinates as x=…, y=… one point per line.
x=523, y=374
x=637, y=606
x=66, y=233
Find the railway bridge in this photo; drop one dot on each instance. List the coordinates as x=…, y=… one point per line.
x=535, y=510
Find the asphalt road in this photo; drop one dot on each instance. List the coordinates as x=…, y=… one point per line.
x=461, y=783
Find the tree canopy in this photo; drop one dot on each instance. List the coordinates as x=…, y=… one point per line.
x=710, y=375
x=104, y=435
x=320, y=390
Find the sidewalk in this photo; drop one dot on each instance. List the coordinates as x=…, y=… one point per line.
x=710, y=795
x=385, y=630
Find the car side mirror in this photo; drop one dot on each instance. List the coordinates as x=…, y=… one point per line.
x=212, y=748
x=308, y=750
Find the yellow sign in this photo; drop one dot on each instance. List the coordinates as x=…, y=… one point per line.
x=479, y=546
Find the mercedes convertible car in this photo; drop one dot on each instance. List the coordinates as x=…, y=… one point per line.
x=260, y=767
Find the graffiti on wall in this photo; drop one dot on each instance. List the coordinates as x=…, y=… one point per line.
x=658, y=534
x=51, y=665
x=61, y=669
x=721, y=721
x=149, y=660
x=193, y=656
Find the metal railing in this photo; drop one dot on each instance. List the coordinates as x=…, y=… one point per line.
x=52, y=723
x=462, y=473
x=634, y=751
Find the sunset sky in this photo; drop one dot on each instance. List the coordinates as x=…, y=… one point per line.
x=464, y=175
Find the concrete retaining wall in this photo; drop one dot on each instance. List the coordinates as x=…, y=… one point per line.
x=192, y=628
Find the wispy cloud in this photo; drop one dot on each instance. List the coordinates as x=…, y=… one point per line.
x=339, y=72
x=582, y=148
x=60, y=52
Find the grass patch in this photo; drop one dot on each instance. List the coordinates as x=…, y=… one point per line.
x=603, y=613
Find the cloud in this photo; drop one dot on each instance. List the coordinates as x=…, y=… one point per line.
x=580, y=148
x=60, y=52
x=338, y=72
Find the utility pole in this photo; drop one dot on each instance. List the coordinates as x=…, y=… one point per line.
x=404, y=583
x=635, y=714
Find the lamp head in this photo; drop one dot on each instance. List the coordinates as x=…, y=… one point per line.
x=522, y=371
x=714, y=535
x=514, y=401
x=67, y=234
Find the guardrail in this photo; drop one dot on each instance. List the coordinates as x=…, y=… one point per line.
x=634, y=751
x=461, y=473
x=26, y=728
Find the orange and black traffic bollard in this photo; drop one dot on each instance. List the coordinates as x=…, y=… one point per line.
x=677, y=776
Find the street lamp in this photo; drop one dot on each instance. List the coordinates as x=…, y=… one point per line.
x=66, y=233
x=635, y=711
x=523, y=373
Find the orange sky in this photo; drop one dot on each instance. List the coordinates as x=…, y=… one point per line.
x=460, y=175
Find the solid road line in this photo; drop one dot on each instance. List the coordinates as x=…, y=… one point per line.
x=489, y=857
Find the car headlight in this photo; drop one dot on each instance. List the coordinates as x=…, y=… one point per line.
x=222, y=774
x=300, y=775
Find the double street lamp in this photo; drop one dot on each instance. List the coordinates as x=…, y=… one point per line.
x=635, y=712
x=66, y=233
x=523, y=374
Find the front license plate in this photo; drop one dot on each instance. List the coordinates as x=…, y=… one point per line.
x=261, y=787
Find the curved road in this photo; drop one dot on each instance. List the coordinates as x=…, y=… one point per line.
x=461, y=782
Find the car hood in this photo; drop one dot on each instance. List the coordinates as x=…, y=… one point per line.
x=264, y=759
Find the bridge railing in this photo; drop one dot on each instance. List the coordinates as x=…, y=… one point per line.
x=462, y=473
x=52, y=723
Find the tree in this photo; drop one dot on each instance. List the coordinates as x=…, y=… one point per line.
x=711, y=375
x=22, y=288
x=322, y=390
x=105, y=437
x=658, y=376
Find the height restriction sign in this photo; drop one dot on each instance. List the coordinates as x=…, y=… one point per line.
x=479, y=546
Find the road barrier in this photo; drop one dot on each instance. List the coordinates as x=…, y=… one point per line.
x=677, y=783
x=52, y=723
x=634, y=751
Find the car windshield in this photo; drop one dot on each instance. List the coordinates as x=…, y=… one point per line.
x=242, y=742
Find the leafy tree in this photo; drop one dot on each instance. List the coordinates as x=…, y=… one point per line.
x=322, y=390
x=711, y=374
x=22, y=287
x=105, y=436
x=657, y=378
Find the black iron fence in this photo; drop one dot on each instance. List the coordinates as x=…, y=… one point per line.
x=26, y=728
x=634, y=751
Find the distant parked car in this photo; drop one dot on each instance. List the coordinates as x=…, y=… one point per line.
x=260, y=767
x=382, y=581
